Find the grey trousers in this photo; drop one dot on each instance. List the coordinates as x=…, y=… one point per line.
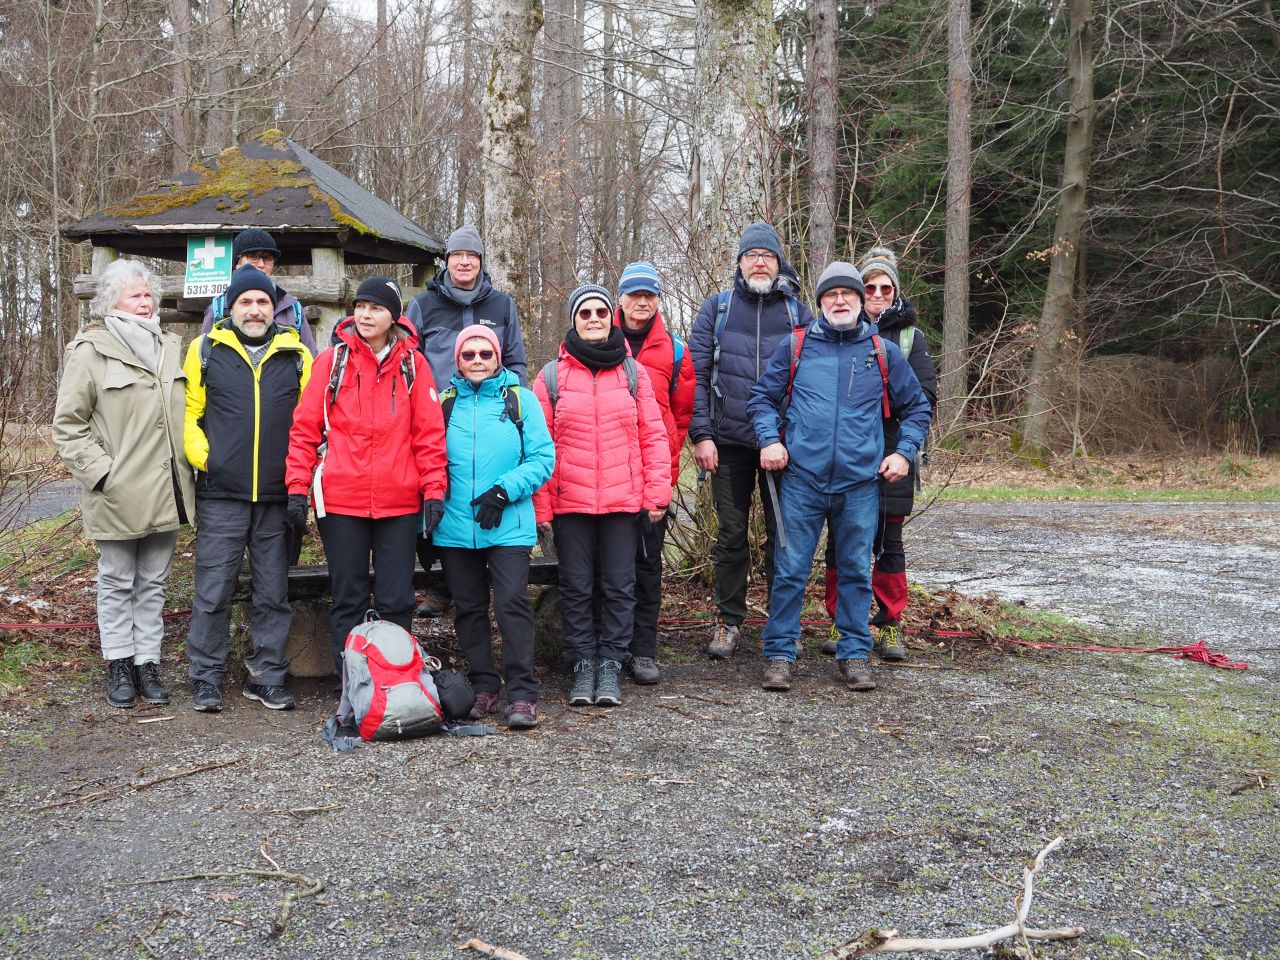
x=131, y=579
x=223, y=529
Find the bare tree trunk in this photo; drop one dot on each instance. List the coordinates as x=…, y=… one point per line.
x=732, y=98
x=1068, y=231
x=179, y=125
x=508, y=147
x=562, y=97
x=467, y=14
x=823, y=95
x=217, y=131
x=954, y=381
x=607, y=177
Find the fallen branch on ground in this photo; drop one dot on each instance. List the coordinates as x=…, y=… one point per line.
x=138, y=787
x=489, y=950
x=876, y=940
x=312, y=886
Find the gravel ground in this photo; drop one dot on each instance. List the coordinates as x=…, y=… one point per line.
x=703, y=818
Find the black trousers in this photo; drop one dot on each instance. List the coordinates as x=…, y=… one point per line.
x=732, y=486
x=427, y=555
x=584, y=541
x=644, y=635
x=349, y=543
x=470, y=575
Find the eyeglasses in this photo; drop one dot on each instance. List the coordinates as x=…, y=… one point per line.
x=759, y=256
x=464, y=255
x=880, y=289
x=841, y=293
x=470, y=355
x=259, y=257
x=585, y=313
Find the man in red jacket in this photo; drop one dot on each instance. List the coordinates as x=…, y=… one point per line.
x=665, y=357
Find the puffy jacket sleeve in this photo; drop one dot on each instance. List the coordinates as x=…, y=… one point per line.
x=308, y=427
x=700, y=345
x=513, y=355
x=539, y=452
x=655, y=453
x=909, y=402
x=765, y=406
x=681, y=410
x=194, y=442
x=426, y=432
x=84, y=456
x=542, y=497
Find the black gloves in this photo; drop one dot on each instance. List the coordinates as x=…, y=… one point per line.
x=489, y=506
x=296, y=511
x=432, y=511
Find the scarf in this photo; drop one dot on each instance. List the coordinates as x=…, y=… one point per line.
x=636, y=338
x=463, y=297
x=140, y=335
x=597, y=356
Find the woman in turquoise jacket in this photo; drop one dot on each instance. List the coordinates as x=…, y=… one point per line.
x=500, y=452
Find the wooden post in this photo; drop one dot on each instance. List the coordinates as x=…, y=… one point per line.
x=99, y=259
x=329, y=263
x=422, y=274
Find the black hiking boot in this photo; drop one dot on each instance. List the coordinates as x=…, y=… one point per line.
x=120, y=689
x=149, y=685
x=273, y=696
x=205, y=697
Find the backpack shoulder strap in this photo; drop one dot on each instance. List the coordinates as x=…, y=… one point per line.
x=877, y=345
x=298, y=318
x=633, y=378
x=550, y=377
x=447, y=399
x=513, y=410
x=677, y=361
x=793, y=311
x=723, y=300
x=218, y=307
x=795, y=343
x=206, y=350
x=407, y=370
x=907, y=339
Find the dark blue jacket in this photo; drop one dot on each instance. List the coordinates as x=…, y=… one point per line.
x=755, y=326
x=899, y=496
x=835, y=423
x=438, y=317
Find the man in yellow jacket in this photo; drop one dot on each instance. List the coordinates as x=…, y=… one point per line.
x=244, y=378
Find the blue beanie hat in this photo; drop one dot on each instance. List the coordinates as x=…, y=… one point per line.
x=761, y=236
x=249, y=277
x=641, y=275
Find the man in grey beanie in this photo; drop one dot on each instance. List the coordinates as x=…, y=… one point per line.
x=732, y=338
x=455, y=299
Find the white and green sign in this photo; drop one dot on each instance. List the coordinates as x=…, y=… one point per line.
x=208, y=266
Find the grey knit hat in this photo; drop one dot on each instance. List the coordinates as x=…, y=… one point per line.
x=466, y=237
x=840, y=274
x=761, y=236
x=881, y=260
x=588, y=291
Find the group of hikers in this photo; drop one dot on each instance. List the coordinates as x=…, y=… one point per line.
x=416, y=434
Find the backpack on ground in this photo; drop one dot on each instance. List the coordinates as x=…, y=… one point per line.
x=724, y=299
x=388, y=691
x=551, y=379
x=513, y=409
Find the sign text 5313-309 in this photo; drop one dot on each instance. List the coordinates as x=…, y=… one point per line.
x=205, y=289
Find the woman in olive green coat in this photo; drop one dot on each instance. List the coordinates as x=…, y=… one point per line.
x=118, y=427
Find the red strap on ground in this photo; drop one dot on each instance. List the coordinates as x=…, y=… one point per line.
x=83, y=625
x=1199, y=652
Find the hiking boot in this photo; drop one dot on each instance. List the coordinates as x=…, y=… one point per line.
x=856, y=674
x=829, y=644
x=206, y=697
x=433, y=605
x=484, y=705
x=889, y=643
x=777, y=675
x=608, y=684
x=149, y=684
x=583, y=691
x=273, y=696
x=120, y=689
x=723, y=641
x=522, y=715
x=644, y=671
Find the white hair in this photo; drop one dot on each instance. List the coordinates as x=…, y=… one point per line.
x=118, y=275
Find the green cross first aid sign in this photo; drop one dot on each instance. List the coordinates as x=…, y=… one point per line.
x=208, y=266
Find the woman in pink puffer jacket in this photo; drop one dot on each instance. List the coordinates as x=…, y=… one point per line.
x=613, y=473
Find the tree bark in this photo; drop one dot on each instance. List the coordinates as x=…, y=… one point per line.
x=954, y=381
x=179, y=122
x=732, y=100
x=562, y=159
x=1059, y=296
x=507, y=147
x=218, y=123
x=824, y=95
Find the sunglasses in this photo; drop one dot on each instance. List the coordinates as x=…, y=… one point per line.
x=585, y=313
x=472, y=354
x=882, y=289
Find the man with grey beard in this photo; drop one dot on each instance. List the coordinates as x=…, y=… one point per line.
x=733, y=336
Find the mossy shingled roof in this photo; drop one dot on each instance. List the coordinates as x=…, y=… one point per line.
x=269, y=182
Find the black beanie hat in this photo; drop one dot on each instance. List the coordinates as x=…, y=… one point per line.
x=383, y=291
x=253, y=240
x=249, y=277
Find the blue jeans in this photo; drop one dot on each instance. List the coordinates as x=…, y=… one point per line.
x=851, y=519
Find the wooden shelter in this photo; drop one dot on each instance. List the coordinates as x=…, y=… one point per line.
x=317, y=216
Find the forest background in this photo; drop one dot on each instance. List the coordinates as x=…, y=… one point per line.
x=1083, y=194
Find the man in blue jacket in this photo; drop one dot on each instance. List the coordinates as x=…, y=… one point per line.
x=733, y=336
x=819, y=412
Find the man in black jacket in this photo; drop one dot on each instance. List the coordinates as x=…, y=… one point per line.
x=244, y=378
x=733, y=337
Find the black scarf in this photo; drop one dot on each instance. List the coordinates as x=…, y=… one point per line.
x=637, y=337
x=597, y=356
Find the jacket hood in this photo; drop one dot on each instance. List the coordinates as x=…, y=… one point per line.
x=401, y=331
x=786, y=282
x=442, y=284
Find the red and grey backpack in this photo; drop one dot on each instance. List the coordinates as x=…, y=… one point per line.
x=387, y=687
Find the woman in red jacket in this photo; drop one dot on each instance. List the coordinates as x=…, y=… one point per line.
x=368, y=442
x=613, y=466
